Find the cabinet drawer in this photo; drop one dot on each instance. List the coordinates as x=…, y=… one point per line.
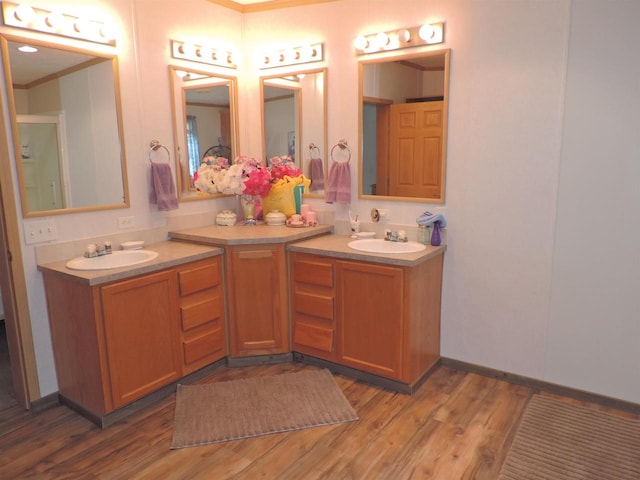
x=313, y=272
x=198, y=278
x=200, y=311
x=203, y=346
x=314, y=305
x=313, y=336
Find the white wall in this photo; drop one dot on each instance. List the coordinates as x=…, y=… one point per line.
x=524, y=291
x=593, y=340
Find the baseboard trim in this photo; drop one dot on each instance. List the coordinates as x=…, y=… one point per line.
x=106, y=420
x=233, y=362
x=543, y=386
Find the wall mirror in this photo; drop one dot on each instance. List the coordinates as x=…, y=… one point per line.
x=403, y=127
x=205, y=117
x=67, y=127
x=294, y=119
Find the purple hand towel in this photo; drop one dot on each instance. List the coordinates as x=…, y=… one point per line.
x=163, y=192
x=339, y=183
x=316, y=174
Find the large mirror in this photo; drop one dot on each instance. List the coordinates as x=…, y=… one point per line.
x=403, y=128
x=67, y=127
x=294, y=115
x=205, y=122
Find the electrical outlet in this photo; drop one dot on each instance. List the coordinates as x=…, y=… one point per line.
x=125, y=222
x=40, y=231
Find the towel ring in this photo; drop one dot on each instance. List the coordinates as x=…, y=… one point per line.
x=155, y=145
x=313, y=147
x=343, y=146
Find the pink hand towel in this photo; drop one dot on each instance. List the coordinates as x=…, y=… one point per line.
x=339, y=183
x=316, y=174
x=163, y=192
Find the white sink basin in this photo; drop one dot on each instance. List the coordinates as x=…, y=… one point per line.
x=379, y=245
x=117, y=259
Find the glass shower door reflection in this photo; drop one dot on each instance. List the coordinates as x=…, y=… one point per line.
x=42, y=162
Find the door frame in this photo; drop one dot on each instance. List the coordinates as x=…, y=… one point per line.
x=12, y=278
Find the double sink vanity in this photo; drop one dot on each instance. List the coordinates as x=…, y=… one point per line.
x=241, y=296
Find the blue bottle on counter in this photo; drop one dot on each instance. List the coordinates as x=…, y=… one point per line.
x=435, y=235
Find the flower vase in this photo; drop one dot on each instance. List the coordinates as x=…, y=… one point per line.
x=248, y=204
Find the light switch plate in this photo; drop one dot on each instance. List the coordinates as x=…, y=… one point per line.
x=40, y=231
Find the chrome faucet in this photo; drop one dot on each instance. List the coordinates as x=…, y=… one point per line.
x=97, y=250
x=393, y=236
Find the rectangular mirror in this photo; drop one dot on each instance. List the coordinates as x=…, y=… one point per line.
x=205, y=116
x=403, y=128
x=67, y=127
x=294, y=116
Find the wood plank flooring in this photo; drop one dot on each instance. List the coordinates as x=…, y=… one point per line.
x=458, y=425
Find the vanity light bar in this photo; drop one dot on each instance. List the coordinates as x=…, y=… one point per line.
x=427, y=34
x=57, y=23
x=293, y=56
x=202, y=54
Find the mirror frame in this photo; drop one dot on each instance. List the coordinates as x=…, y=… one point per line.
x=303, y=149
x=385, y=58
x=180, y=138
x=4, y=39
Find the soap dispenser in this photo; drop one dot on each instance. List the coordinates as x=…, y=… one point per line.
x=435, y=235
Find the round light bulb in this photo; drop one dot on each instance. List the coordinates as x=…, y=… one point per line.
x=24, y=13
x=382, y=39
x=361, y=42
x=426, y=32
x=108, y=32
x=187, y=49
x=55, y=20
x=404, y=35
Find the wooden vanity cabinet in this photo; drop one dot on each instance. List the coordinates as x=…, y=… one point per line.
x=373, y=317
x=116, y=342
x=257, y=300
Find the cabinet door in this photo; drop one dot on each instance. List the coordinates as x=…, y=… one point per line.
x=142, y=335
x=370, y=317
x=257, y=300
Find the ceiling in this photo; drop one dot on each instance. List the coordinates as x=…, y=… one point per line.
x=29, y=67
x=246, y=6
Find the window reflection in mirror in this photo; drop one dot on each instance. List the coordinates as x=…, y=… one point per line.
x=295, y=122
x=67, y=130
x=204, y=116
x=404, y=104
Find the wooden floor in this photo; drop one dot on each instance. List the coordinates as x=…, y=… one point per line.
x=456, y=426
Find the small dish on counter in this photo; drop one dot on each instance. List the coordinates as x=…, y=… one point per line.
x=275, y=217
x=365, y=234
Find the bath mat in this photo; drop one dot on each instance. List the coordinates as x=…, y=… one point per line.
x=223, y=411
x=559, y=441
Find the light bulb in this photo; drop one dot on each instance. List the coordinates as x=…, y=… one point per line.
x=107, y=32
x=55, y=20
x=382, y=39
x=404, y=35
x=24, y=13
x=361, y=42
x=426, y=32
x=187, y=49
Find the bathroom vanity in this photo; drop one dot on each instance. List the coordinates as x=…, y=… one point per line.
x=121, y=334
x=256, y=281
x=375, y=314
x=241, y=295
